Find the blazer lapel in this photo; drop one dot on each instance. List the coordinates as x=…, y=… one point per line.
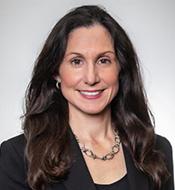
x=137, y=180
x=79, y=177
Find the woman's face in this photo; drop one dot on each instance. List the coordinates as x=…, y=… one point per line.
x=89, y=71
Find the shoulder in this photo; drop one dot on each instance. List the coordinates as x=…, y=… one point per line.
x=162, y=144
x=16, y=142
x=12, y=151
x=12, y=162
x=15, y=145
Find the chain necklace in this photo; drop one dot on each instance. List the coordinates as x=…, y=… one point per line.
x=109, y=156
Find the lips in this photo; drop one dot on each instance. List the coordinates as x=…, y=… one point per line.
x=91, y=94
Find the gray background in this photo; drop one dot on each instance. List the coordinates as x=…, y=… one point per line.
x=25, y=24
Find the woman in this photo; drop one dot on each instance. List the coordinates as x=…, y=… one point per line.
x=87, y=124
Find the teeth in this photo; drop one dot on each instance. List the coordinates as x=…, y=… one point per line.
x=90, y=93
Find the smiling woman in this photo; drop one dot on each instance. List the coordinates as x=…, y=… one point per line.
x=87, y=124
x=92, y=67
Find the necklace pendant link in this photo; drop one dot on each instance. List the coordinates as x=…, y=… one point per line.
x=109, y=156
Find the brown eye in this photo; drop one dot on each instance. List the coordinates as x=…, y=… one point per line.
x=104, y=61
x=76, y=62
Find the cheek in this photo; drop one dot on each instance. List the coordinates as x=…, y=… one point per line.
x=114, y=87
x=111, y=75
x=69, y=79
x=112, y=78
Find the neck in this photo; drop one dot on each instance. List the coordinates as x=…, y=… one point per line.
x=89, y=127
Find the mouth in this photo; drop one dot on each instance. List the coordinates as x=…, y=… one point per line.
x=91, y=94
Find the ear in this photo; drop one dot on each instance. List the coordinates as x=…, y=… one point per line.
x=57, y=78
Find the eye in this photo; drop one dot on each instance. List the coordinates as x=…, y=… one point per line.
x=104, y=60
x=76, y=62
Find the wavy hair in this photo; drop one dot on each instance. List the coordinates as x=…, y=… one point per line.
x=46, y=117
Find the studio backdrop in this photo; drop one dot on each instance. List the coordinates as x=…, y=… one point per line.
x=25, y=24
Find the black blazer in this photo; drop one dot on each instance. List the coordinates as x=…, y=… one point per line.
x=13, y=168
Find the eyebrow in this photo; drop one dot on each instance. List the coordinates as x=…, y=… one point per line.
x=79, y=54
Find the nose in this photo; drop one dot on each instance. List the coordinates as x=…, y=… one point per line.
x=91, y=74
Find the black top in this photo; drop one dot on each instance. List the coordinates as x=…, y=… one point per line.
x=13, y=168
x=121, y=184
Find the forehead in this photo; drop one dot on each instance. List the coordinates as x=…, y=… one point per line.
x=94, y=36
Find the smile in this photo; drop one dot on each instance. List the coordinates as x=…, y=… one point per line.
x=91, y=94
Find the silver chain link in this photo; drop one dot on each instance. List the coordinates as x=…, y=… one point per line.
x=109, y=156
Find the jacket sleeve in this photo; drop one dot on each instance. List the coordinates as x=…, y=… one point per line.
x=12, y=167
x=165, y=147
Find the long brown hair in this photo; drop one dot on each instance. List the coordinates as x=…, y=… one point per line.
x=46, y=119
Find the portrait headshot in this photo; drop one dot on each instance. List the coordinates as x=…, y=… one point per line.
x=87, y=95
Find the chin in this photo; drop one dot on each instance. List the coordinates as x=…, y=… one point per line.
x=94, y=110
